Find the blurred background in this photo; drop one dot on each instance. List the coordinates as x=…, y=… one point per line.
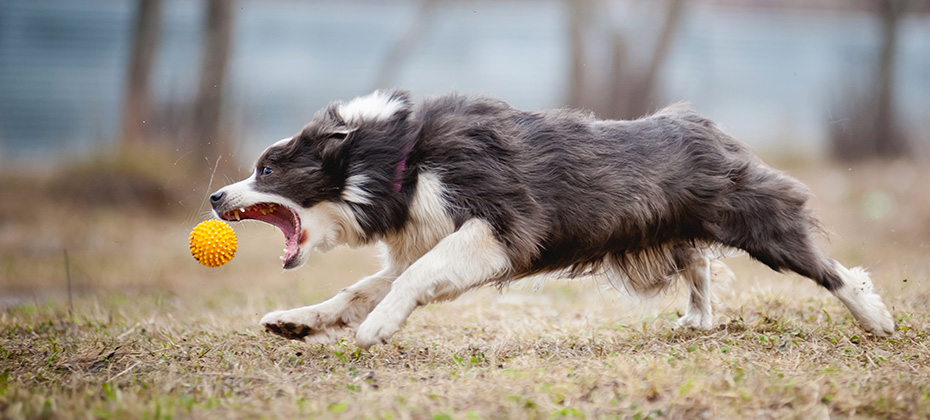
x=818, y=78
x=118, y=117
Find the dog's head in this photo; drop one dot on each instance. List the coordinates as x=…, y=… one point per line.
x=321, y=186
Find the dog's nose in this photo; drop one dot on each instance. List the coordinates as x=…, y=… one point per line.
x=217, y=197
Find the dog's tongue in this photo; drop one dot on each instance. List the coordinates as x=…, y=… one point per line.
x=277, y=215
x=292, y=246
x=289, y=223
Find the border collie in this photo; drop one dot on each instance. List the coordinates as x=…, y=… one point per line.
x=463, y=192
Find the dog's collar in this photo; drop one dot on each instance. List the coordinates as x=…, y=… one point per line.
x=402, y=166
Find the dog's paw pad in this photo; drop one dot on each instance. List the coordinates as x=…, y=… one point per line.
x=289, y=330
x=272, y=328
x=296, y=331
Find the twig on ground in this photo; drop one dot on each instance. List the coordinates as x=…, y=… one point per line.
x=123, y=372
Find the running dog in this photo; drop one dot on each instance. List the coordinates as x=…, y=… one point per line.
x=463, y=191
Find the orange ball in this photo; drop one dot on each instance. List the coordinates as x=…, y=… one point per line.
x=213, y=243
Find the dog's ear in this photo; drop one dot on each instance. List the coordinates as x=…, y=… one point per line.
x=340, y=133
x=334, y=154
x=334, y=141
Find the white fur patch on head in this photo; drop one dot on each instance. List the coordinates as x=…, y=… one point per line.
x=376, y=106
x=355, y=192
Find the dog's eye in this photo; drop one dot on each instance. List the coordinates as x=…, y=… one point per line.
x=266, y=171
x=339, y=135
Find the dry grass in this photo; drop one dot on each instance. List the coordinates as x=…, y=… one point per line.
x=154, y=335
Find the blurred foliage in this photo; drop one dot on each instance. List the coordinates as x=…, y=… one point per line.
x=141, y=178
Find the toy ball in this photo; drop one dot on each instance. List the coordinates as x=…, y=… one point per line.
x=213, y=243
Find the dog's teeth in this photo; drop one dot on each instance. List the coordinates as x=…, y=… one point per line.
x=237, y=217
x=242, y=209
x=281, y=257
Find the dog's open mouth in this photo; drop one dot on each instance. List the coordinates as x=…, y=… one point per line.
x=277, y=215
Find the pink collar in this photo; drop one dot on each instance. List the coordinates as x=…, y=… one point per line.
x=402, y=166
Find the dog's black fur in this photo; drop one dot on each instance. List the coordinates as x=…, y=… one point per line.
x=560, y=190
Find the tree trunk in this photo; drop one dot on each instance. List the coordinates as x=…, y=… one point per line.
x=888, y=140
x=577, y=82
x=869, y=126
x=401, y=50
x=630, y=89
x=618, y=81
x=208, y=106
x=144, y=45
x=646, y=97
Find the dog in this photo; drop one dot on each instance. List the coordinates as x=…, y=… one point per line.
x=463, y=191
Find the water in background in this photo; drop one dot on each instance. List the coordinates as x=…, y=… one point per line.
x=769, y=77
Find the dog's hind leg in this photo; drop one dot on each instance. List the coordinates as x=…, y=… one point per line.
x=700, y=313
x=468, y=258
x=324, y=321
x=794, y=250
x=701, y=274
x=773, y=225
x=852, y=287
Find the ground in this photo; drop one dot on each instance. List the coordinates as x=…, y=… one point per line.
x=148, y=333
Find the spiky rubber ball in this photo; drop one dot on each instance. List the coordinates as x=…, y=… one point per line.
x=213, y=243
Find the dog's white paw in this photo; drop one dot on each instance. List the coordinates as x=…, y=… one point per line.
x=378, y=328
x=865, y=305
x=876, y=318
x=371, y=333
x=313, y=322
x=696, y=319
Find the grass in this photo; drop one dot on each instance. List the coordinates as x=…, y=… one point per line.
x=152, y=335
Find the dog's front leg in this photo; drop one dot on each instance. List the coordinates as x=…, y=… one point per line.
x=470, y=257
x=324, y=321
